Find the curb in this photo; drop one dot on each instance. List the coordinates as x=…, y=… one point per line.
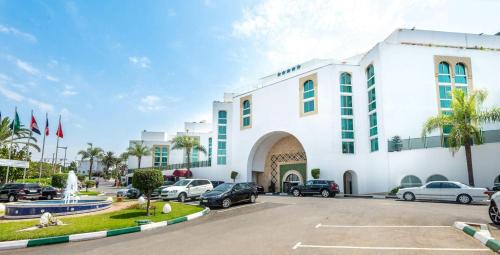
x=7, y=245
x=482, y=235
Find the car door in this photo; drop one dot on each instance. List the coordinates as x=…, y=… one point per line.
x=238, y=193
x=191, y=188
x=450, y=191
x=308, y=186
x=431, y=191
x=317, y=185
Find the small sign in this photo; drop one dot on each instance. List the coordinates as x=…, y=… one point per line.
x=14, y=163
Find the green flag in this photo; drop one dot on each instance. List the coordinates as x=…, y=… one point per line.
x=16, y=124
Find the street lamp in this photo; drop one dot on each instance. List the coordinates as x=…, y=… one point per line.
x=65, y=148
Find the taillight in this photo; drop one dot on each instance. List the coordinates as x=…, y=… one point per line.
x=21, y=191
x=334, y=186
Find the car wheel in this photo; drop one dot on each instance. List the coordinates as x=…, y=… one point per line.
x=226, y=203
x=334, y=194
x=12, y=198
x=252, y=198
x=408, y=196
x=494, y=214
x=182, y=198
x=296, y=192
x=325, y=193
x=464, y=199
x=49, y=197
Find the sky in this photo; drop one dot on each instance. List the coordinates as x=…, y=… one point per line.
x=114, y=68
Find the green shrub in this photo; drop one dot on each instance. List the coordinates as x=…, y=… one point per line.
x=89, y=184
x=394, y=191
x=147, y=180
x=81, y=178
x=315, y=173
x=43, y=181
x=234, y=174
x=59, y=180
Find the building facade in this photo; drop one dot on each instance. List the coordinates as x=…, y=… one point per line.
x=341, y=116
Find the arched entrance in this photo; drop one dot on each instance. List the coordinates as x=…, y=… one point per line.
x=275, y=157
x=350, y=182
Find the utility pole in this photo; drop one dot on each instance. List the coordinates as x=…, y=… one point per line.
x=65, y=148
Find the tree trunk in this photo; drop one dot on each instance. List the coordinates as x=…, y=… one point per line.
x=468, y=156
x=147, y=207
x=90, y=173
x=139, y=162
x=188, y=153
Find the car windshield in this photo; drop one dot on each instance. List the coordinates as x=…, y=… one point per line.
x=182, y=183
x=224, y=187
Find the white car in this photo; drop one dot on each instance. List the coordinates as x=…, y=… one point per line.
x=445, y=191
x=494, y=208
x=187, y=188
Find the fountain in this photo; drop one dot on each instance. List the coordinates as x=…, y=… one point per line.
x=71, y=203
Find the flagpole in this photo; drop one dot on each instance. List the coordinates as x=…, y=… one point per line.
x=10, y=147
x=28, y=148
x=43, y=148
x=57, y=147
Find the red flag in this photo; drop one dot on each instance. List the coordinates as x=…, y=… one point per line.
x=59, y=132
x=34, y=125
x=46, y=126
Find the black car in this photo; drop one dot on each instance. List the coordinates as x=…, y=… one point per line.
x=50, y=193
x=14, y=191
x=134, y=193
x=216, y=183
x=260, y=188
x=324, y=188
x=228, y=194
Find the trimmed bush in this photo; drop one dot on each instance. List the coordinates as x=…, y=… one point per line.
x=394, y=191
x=43, y=181
x=89, y=184
x=147, y=180
x=81, y=178
x=59, y=180
x=234, y=174
x=315, y=173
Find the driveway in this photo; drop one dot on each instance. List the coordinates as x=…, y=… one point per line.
x=309, y=225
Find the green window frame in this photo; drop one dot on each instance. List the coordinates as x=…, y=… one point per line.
x=460, y=73
x=309, y=106
x=348, y=147
x=444, y=73
x=345, y=83
x=373, y=124
x=347, y=129
x=210, y=149
x=346, y=105
x=370, y=76
x=160, y=158
x=374, y=144
x=221, y=136
x=246, y=113
x=372, y=103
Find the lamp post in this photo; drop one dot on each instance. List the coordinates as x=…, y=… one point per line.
x=65, y=148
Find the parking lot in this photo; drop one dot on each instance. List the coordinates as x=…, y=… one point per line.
x=306, y=225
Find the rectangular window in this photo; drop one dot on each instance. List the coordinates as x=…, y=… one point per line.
x=373, y=124
x=246, y=121
x=374, y=144
x=221, y=136
x=221, y=160
x=347, y=129
x=444, y=78
x=222, y=130
x=348, y=147
x=346, y=105
x=309, y=106
x=160, y=156
x=346, y=88
x=372, y=104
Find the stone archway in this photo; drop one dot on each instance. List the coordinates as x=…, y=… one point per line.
x=350, y=182
x=274, y=155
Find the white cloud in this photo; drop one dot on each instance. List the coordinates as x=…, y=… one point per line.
x=151, y=103
x=12, y=95
x=16, y=32
x=279, y=33
x=27, y=67
x=68, y=91
x=51, y=78
x=142, y=62
x=41, y=105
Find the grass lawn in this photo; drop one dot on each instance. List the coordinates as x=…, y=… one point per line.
x=106, y=221
x=89, y=193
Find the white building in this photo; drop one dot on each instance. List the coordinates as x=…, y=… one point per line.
x=84, y=167
x=339, y=116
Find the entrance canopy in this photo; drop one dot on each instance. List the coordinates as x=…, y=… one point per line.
x=182, y=173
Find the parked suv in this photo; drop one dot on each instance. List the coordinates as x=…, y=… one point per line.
x=494, y=210
x=14, y=191
x=187, y=188
x=324, y=188
x=228, y=194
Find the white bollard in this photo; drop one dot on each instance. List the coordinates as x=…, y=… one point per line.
x=167, y=208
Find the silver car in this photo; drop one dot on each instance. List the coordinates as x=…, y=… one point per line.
x=444, y=191
x=494, y=210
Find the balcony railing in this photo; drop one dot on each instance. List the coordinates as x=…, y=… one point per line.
x=205, y=163
x=489, y=136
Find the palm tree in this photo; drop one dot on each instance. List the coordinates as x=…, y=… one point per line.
x=138, y=150
x=120, y=167
x=189, y=144
x=91, y=153
x=20, y=137
x=463, y=123
x=108, y=159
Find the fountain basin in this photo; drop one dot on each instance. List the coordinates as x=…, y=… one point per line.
x=25, y=210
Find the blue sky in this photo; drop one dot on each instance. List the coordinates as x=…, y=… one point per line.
x=114, y=68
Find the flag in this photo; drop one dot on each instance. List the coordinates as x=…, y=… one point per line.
x=46, y=125
x=16, y=124
x=59, y=132
x=34, y=125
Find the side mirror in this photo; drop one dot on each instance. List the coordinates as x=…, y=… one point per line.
x=190, y=186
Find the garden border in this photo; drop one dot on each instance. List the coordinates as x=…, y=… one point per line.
x=17, y=244
x=482, y=235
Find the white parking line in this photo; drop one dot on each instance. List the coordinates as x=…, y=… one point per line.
x=300, y=245
x=380, y=226
x=238, y=207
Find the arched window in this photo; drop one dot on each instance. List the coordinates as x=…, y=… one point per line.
x=460, y=73
x=411, y=181
x=370, y=75
x=444, y=73
x=308, y=96
x=345, y=83
x=436, y=177
x=246, y=113
x=292, y=178
x=497, y=180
